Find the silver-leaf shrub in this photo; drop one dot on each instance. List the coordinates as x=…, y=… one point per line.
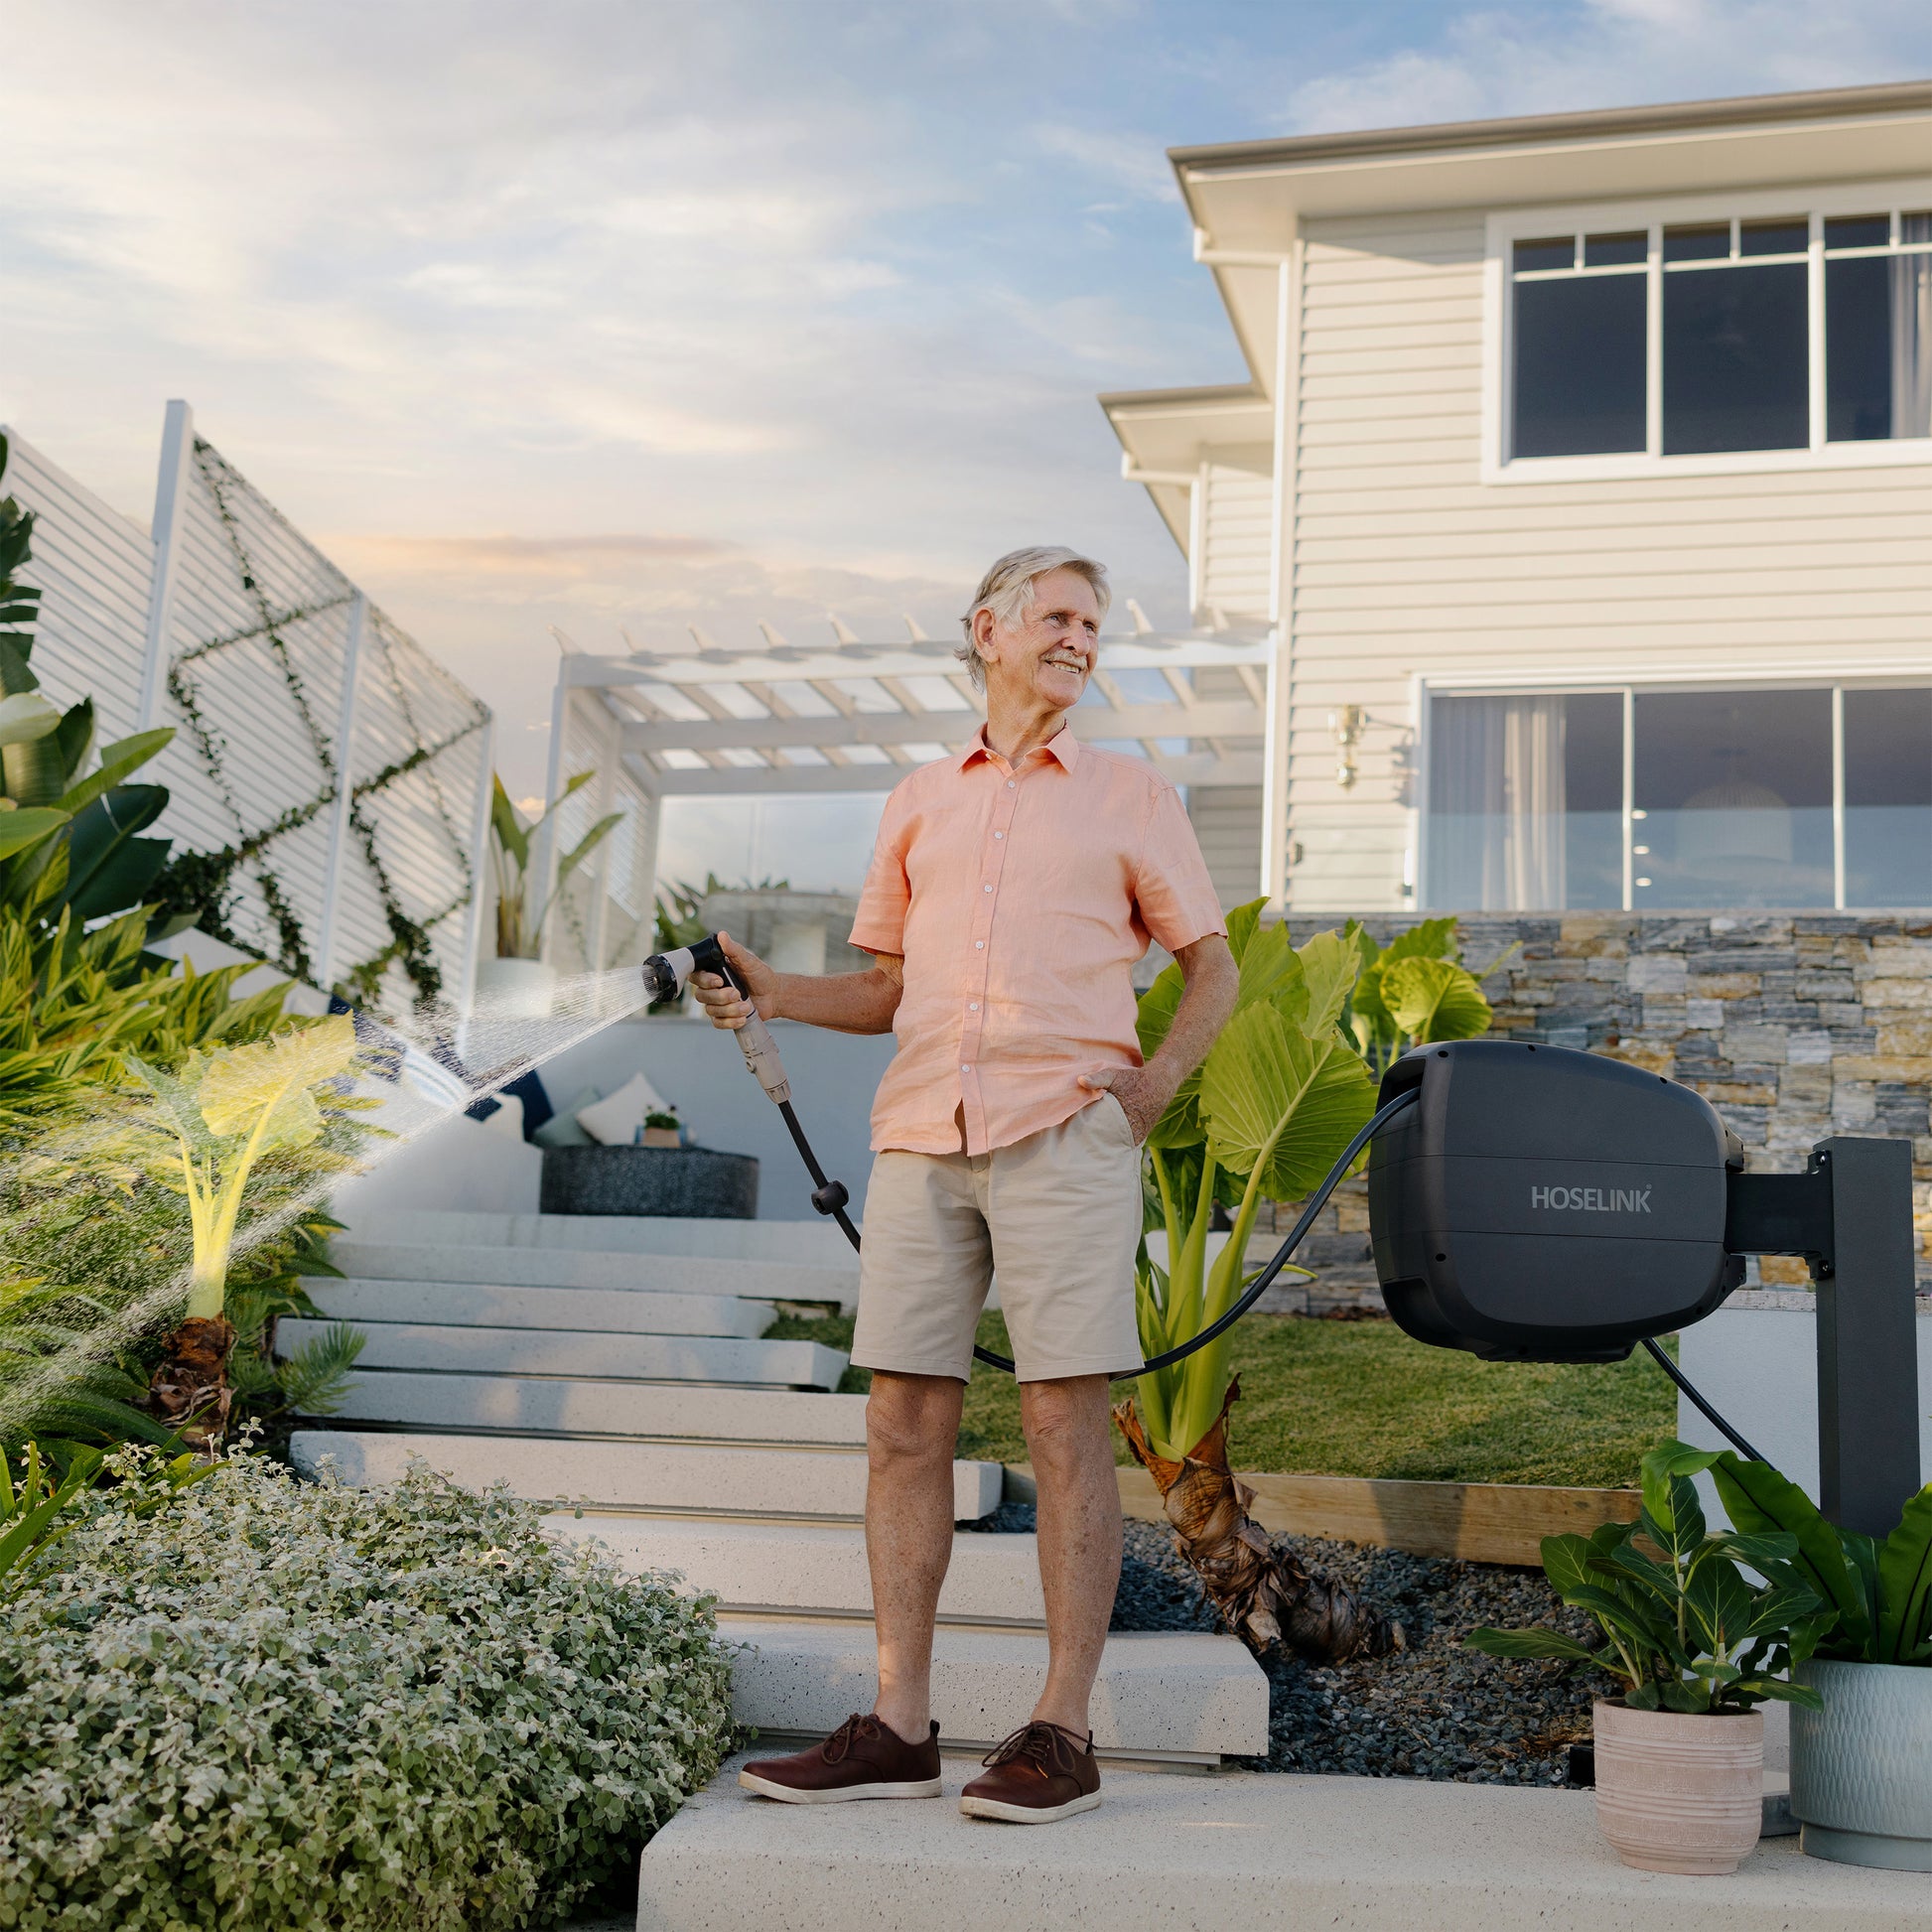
x=323, y=1710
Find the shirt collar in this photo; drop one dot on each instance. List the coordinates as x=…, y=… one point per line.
x=1062, y=744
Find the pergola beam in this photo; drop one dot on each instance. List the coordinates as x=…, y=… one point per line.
x=1192, y=769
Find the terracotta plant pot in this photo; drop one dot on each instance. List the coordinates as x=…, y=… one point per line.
x=1862, y=1767
x=516, y=989
x=1680, y=1793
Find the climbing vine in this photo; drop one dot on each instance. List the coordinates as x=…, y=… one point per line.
x=204, y=885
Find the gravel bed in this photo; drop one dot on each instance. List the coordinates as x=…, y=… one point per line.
x=1433, y=1711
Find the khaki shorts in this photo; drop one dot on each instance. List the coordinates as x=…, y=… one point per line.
x=1058, y=1214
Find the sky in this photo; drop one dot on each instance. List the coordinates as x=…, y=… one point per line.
x=620, y=317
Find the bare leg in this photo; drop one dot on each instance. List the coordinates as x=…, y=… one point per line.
x=1066, y=1427
x=911, y=1426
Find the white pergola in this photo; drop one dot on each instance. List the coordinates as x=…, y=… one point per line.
x=854, y=716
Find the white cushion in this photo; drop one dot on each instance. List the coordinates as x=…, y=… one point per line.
x=508, y=1120
x=616, y=1118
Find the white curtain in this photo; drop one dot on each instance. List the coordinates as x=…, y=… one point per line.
x=1911, y=334
x=1496, y=796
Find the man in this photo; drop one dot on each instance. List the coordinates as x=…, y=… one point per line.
x=1012, y=889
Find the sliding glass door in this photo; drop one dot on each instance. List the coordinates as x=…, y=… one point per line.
x=1667, y=799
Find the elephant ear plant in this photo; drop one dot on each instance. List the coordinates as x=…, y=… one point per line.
x=1275, y=1102
x=227, y=1112
x=1414, y=992
x=1684, y=1630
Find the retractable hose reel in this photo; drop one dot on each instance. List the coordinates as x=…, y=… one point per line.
x=1533, y=1203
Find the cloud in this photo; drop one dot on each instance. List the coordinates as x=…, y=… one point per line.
x=1130, y=161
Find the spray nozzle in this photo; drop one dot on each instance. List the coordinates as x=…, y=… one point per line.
x=665, y=973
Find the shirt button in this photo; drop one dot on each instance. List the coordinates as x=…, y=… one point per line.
x=972, y=1005
x=965, y=1069
x=988, y=888
x=1009, y=784
x=999, y=835
x=978, y=945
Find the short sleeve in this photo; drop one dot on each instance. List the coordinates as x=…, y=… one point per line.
x=1176, y=898
x=881, y=924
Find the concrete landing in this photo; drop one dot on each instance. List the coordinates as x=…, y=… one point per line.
x=808, y=1569
x=1179, y=1697
x=667, y=1478
x=590, y=1406
x=486, y=1304
x=1243, y=1850
x=583, y=1352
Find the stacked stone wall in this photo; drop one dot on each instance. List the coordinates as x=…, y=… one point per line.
x=1793, y=1026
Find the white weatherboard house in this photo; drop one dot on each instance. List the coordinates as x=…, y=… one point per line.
x=1585, y=476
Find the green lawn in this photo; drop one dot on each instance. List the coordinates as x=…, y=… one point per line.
x=1359, y=1398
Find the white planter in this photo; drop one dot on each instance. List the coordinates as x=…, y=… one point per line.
x=516, y=989
x=1862, y=1767
x=1677, y=1792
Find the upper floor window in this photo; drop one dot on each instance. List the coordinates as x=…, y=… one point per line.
x=1696, y=339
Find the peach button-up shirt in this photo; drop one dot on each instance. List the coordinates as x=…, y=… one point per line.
x=1019, y=899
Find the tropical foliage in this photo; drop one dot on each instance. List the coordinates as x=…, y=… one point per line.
x=329, y=1710
x=1414, y=991
x=70, y=839
x=520, y=918
x=1685, y=1630
x=1278, y=1099
x=1879, y=1595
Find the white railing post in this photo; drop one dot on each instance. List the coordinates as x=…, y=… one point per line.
x=169, y=506
x=338, y=828
x=540, y=881
x=472, y=922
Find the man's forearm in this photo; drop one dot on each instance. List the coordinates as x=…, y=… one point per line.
x=843, y=1002
x=1203, y=1011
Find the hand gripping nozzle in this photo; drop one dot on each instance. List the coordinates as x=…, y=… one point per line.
x=665, y=974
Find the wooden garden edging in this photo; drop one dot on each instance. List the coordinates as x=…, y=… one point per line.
x=1481, y=1522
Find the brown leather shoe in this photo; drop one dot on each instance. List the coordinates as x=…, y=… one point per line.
x=1039, y=1774
x=863, y=1759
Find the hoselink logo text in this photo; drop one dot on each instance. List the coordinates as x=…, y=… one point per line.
x=1594, y=1201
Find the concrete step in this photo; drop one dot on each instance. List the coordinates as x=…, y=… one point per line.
x=1179, y=1697
x=806, y=1570
x=579, y=1352
x=609, y=1311
x=673, y=1274
x=587, y=1406
x=664, y=1477
x=1245, y=1849
x=815, y=1243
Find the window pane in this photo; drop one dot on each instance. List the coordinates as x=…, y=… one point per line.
x=1525, y=802
x=1615, y=250
x=1857, y=231
x=1557, y=252
x=1879, y=346
x=1735, y=792
x=1579, y=376
x=1734, y=360
x=1888, y=799
x=1914, y=229
x=1706, y=241
x=1785, y=237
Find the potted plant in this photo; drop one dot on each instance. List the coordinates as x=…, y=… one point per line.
x=1862, y=1761
x=1680, y=1754
x=661, y=1128
x=518, y=984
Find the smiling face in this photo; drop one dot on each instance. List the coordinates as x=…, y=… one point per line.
x=1045, y=661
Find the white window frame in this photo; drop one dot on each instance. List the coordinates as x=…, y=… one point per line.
x=1505, y=228
x=1629, y=684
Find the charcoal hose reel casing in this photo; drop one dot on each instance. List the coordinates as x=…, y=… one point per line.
x=1538, y=1204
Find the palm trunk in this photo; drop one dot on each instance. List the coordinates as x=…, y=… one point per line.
x=1264, y=1595
x=188, y=1391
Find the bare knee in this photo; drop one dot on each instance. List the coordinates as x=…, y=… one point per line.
x=912, y=1420
x=1063, y=1420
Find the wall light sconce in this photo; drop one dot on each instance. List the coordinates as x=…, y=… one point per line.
x=1345, y=727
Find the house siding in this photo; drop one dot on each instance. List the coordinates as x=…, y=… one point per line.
x=1406, y=563
x=1238, y=533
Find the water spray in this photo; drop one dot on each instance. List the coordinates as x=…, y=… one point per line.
x=1535, y=1203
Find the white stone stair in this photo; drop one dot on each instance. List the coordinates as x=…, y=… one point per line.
x=483, y=1304
x=810, y=1571
x=653, y=1478
x=584, y=1352
x=815, y=1243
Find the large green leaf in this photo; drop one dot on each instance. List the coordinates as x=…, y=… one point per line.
x=585, y=846
x=1329, y=966
x=1243, y=923
x=1276, y=1100
x=1720, y=1603
x=110, y=868
x=1567, y=1562
x=1433, y=999
x=1758, y=1500
x=1905, y=1583
x=508, y=827
x=1530, y=1643
x=1272, y=970
x=116, y=761
x=20, y=829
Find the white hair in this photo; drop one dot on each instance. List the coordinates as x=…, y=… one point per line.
x=1011, y=584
